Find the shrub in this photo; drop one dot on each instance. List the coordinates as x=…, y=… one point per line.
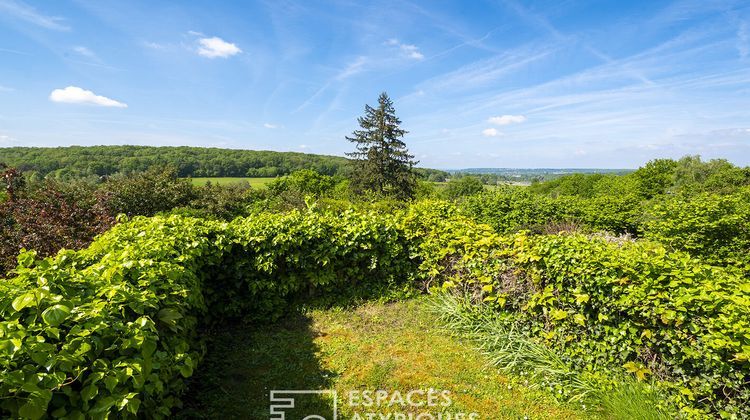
x=55, y=216
x=113, y=329
x=463, y=187
x=603, y=306
x=713, y=227
x=147, y=193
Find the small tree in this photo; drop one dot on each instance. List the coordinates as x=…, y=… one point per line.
x=382, y=163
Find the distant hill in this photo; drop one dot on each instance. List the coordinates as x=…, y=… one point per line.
x=532, y=174
x=88, y=161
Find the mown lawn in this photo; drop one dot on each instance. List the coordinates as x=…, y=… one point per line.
x=254, y=182
x=392, y=347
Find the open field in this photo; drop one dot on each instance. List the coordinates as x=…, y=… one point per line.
x=398, y=346
x=254, y=182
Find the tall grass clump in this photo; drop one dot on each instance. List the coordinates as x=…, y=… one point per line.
x=515, y=352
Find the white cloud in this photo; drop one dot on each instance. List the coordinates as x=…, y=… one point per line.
x=216, y=47
x=76, y=95
x=491, y=132
x=154, y=45
x=303, y=146
x=412, y=51
x=84, y=51
x=271, y=126
x=408, y=50
x=506, y=119
x=25, y=12
x=356, y=66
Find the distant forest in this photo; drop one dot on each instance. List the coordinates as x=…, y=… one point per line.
x=88, y=161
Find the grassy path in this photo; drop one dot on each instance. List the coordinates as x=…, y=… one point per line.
x=393, y=347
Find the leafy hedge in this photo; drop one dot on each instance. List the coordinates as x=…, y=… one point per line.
x=606, y=306
x=510, y=209
x=113, y=330
x=714, y=227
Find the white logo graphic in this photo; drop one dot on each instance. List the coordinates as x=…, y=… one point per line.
x=283, y=399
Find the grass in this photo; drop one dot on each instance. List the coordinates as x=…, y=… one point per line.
x=395, y=347
x=254, y=182
x=622, y=397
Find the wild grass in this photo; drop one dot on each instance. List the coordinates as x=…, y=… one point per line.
x=374, y=346
x=511, y=351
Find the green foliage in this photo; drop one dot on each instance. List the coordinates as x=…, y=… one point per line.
x=77, y=161
x=304, y=182
x=463, y=187
x=637, y=306
x=656, y=177
x=147, y=193
x=622, y=397
x=711, y=226
x=509, y=209
x=382, y=164
x=113, y=329
x=604, y=305
x=222, y=201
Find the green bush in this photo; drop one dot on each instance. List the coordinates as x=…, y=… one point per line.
x=147, y=193
x=711, y=226
x=113, y=329
x=604, y=305
x=463, y=187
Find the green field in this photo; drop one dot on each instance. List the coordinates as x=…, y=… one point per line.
x=254, y=182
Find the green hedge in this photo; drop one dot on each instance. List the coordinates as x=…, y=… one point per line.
x=509, y=209
x=713, y=227
x=605, y=306
x=113, y=330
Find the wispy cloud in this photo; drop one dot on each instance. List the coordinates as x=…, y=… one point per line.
x=484, y=72
x=407, y=50
x=84, y=51
x=154, y=45
x=76, y=95
x=506, y=119
x=270, y=126
x=491, y=132
x=358, y=65
x=354, y=67
x=23, y=11
x=216, y=47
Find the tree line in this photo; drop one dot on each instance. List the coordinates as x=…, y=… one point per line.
x=75, y=162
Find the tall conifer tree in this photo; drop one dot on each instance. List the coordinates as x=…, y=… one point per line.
x=382, y=163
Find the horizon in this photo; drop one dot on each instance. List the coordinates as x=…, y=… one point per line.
x=495, y=84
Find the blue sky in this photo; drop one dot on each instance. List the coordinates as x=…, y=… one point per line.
x=477, y=83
